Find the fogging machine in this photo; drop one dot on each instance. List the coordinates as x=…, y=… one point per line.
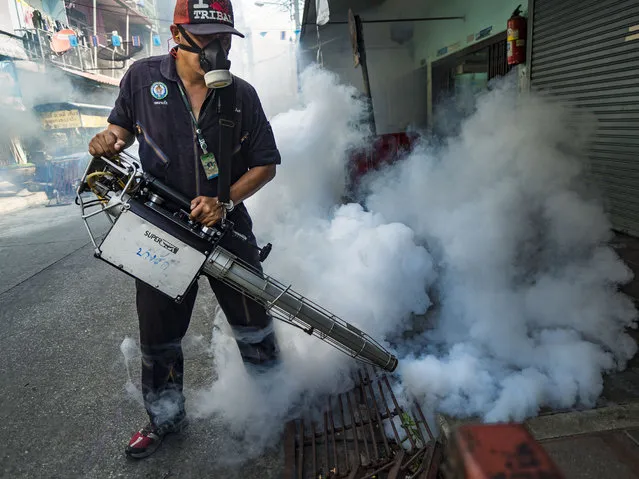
x=152, y=238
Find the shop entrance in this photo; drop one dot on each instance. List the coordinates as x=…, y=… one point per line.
x=457, y=78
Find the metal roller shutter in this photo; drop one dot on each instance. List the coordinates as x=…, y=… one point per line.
x=586, y=52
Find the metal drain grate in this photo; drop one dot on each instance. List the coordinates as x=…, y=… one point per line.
x=363, y=434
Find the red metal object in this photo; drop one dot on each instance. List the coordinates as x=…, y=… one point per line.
x=384, y=150
x=516, y=38
x=501, y=451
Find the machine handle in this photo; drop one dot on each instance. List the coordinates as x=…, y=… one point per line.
x=265, y=251
x=167, y=192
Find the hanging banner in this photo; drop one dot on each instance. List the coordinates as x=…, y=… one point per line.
x=323, y=13
x=354, y=35
x=156, y=40
x=54, y=9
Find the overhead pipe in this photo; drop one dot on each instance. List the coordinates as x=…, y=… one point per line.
x=397, y=20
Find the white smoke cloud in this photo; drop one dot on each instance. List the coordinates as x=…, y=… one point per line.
x=131, y=352
x=528, y=313
x=22, y=136
x=38, y=87
x=350, y=261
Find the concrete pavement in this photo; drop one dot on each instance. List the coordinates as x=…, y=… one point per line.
x=33, y=239
x=64, y=410
x=21, y=201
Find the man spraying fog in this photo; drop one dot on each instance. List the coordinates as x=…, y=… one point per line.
x=171, y=104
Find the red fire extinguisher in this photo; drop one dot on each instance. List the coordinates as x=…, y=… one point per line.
x=516, y=38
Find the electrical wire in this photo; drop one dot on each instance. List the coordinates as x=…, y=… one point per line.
x=99, y=174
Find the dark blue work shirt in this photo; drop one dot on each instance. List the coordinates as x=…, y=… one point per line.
x=150, y=106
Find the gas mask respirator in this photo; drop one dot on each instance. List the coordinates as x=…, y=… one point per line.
x=213, y=60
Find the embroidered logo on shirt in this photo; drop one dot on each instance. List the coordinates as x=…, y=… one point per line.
x=159, y=91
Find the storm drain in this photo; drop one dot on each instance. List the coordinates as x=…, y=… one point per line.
x=363, y=434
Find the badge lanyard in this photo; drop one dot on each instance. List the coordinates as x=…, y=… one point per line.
x=198, y=131
x=208, y=159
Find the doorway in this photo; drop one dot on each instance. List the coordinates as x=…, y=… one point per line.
x=457, y=78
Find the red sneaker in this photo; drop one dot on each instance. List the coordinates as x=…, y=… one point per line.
x=144, y=442
x=147, y=440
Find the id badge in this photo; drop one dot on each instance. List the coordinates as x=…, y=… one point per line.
x=210, y=165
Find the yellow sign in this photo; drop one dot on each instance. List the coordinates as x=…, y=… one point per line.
x=93, y=121
x=60, y=120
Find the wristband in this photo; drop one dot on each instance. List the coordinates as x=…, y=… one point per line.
x=227, y=206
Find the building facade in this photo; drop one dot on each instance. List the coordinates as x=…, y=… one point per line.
x=56, y=52
x=422, y=56
x=416, y=52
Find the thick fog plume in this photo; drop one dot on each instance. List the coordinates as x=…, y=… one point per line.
x=38, y=87
x=529, y=310
x=19, y=123
x=490, y=235
x=364, y=269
